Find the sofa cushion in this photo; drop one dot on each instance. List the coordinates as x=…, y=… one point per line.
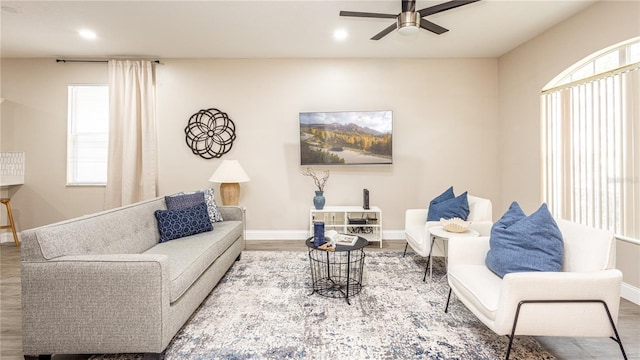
x=450, y=208
x=477, y=285
x=183, y=201
x=189, y=257
x=174, y=224
x=521, y=243
x=479, y=209
x=585, y=247
x=97, y=234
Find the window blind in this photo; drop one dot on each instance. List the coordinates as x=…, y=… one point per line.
x=591, y=160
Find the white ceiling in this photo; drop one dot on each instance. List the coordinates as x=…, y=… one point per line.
x=267, y=28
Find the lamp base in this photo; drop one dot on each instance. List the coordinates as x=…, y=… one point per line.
x=229, y=193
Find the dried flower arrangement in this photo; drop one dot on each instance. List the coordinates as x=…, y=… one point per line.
x=320, y=183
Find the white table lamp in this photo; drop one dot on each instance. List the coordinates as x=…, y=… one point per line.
x=229, y=174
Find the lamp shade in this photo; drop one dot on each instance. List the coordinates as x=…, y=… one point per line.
x=229, y=171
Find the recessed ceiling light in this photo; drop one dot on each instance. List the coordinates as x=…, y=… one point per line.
x=87, y=34
x=340, y=34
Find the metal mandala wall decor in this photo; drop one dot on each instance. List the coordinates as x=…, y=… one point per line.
x=210, y=133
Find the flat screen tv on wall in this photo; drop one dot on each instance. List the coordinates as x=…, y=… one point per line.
x=346, y=138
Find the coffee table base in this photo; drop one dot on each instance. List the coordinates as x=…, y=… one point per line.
x=336, y=274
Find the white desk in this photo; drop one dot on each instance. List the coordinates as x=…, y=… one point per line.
x=439, y=232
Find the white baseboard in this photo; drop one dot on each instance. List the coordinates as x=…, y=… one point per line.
x=630, y=293
x=393, y=235
x=276, y=234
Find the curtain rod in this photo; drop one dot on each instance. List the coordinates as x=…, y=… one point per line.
x=618, y=70
x=91, y=61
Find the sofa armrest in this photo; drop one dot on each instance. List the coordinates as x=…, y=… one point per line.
x=234, y=213
x=467, y=250
x=602, y=285
x=72, y=303
x=414, y=217
x=563, y=285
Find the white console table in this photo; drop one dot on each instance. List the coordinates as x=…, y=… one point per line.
x=337, y=218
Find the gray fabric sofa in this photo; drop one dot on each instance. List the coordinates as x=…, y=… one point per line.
x=103, y=283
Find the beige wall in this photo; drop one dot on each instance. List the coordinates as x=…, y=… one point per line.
x=34, y=120
x=524, y=71
x=445, y=132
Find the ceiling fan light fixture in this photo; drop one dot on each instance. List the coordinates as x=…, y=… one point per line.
x=409, y=23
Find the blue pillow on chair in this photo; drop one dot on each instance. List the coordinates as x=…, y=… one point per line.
x=174, y=224
x=521, y=243
x=446, y=195
x=447, y=206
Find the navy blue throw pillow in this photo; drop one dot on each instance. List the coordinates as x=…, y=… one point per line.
x=183, y=201
x=174, y=224
x=450, y=208
x=521, y=243
x=446, y=195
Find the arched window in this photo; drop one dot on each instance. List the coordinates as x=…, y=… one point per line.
x=591, y=141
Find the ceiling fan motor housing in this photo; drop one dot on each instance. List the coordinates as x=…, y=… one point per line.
x=408, y=23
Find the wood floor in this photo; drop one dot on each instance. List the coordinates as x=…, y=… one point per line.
x=562, y=348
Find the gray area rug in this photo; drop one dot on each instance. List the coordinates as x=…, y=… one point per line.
x=262, y=310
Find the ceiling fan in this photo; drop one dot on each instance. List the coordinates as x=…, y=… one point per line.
x=409, y=21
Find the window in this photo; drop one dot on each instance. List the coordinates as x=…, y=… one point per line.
x=614, y=57
x=87, y=134
x=591, y=141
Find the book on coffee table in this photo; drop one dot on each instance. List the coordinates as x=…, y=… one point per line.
x=343, y=239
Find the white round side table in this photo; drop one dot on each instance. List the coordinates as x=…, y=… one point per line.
x=439, y=232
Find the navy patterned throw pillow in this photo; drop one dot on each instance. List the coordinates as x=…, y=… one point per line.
x=174, y=224
x=183, y=201
x=214, y=213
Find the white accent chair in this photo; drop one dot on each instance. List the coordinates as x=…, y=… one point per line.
x=581, y=300
x=416, y=228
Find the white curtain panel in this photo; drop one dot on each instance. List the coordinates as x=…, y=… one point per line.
x=132, y=162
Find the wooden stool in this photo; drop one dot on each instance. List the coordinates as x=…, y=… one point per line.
x=12, y=226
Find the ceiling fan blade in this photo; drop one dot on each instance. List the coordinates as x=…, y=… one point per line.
x=444, y=7
x=434, y=28
x=369, y=15
x=384, y=32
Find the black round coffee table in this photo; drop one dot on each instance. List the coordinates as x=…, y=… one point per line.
x=338, y=273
